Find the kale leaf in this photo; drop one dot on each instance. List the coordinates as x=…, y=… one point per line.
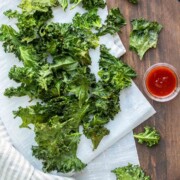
x=114, y=22
x=30, y=6
x=87, y=20
x=150, y=136
x=130, y=172
x=10, y=39
x=115, y=76
x=144, y=36
x=62, y=139
x=113, y=71
x=75, y=2
x=29, y=24
x=63, y=3
x=90, y=4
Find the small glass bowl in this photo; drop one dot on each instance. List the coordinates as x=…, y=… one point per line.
x=163, y=98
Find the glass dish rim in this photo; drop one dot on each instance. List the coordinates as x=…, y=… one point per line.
x=165, y=98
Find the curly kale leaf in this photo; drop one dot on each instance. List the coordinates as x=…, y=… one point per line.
x=80, y=87
x=90, y=4
x=33, y=81
x=87, y=20
x=114, y=22
x=113, y=71
x=103, y=98
x=12, y=44
x=95, y=130
x=133, y=1
x=24, y=75
x=42, y=112
x=58, y=147
x=31, y=6
x=29, y=24
x=115, y=76
x=32, y=115
x=10, y=39
x=65, y=63
x=130, y=172
x=68, y=39
x=20, y=91
x=29, y=56
x=78, y=44
x=150, y=136
x=144, y=36
x=45, y=77
x=63, y=3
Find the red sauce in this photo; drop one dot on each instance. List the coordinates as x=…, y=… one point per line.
x=161, y=81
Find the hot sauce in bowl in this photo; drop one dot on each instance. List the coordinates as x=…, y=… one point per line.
x=161, y=82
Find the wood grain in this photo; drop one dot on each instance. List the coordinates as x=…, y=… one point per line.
x=163, y=161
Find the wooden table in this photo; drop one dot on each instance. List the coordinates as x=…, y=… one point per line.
x=163, y=161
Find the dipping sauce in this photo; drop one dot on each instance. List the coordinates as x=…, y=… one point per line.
x=161, y=81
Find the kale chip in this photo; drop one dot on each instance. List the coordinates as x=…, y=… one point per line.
x=144, y=36
x=114, y=22
x=130, y=172
x=150, y=136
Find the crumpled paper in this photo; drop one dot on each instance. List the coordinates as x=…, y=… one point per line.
x=134, y=107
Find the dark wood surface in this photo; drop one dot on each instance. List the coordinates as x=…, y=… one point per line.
x=163, y=161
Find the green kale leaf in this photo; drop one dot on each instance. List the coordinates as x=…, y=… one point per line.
x=114, y=22
x=30, y=6
x=150, y=136
x=10, y=39
x=104, y=97
x=76, y=2
x=130, y=172
x=115, y=76
x=61, y=142
x=95, y=130
x=20, y=91
x=32, y=115
x=80, y=87
x=87, y=20
x=29, y=24
x=90, y=4
x=69, y=39
x=144, y=36
x=57, y=148
x=114, y=71
x=22, y=74
x=63, y=3
x=29, y=56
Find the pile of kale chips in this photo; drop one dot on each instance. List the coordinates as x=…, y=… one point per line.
x=68, y=92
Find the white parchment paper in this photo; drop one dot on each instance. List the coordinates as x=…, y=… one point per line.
x=134, y=107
